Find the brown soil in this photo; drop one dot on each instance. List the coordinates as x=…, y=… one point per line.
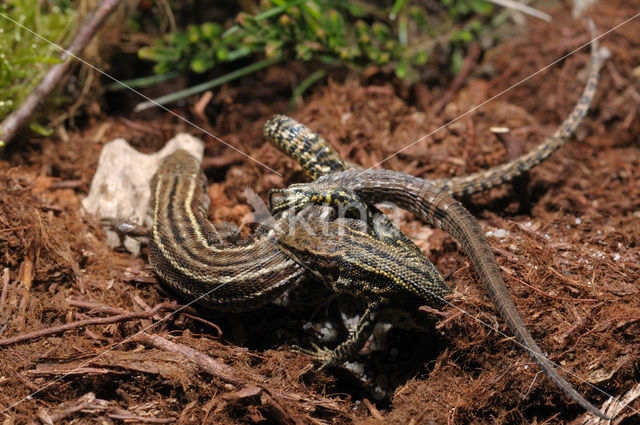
x=570, y=254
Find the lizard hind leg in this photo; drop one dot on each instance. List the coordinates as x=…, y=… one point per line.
x=347, y=349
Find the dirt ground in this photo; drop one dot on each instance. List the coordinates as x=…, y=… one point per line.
x=566, y=238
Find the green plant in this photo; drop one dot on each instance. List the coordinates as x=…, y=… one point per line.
x=352, y=34
x=24, y=58
x=327, y=30
x=463, y=7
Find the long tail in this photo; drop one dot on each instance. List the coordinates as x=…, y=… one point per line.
x=441, y=210
x=482, y=180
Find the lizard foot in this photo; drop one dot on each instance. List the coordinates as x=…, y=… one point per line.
x=320, y=354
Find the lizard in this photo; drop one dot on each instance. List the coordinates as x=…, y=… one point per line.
x=317, y=158
x=187, y=255
x=340, y=256
x=178, y=188
x=335, y=255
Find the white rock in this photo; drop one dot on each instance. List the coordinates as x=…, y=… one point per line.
x=120, y=187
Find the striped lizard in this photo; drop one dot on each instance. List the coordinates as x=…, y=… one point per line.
x=187, y=254
x=335, y=256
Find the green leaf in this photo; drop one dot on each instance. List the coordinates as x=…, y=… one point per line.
x=421, y=58
x=462, y=35
x=402, y=70
x=222, y=54
x=193, y=33
x=397, y=6
x=210, y=30
x=181, y=40
x=147, y=53
x=202, y=61
x=481, y=7
x=457, y=58
x=37, y=128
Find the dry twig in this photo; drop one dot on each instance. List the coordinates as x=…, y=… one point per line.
x=81, y=403
x=204, y=362
x=467, y=65
x=88, y=322
x=5, y=284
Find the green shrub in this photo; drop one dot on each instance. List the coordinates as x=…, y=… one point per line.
x=330, y=31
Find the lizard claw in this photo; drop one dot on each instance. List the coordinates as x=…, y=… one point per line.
x=123, y=226
x=319, y=354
